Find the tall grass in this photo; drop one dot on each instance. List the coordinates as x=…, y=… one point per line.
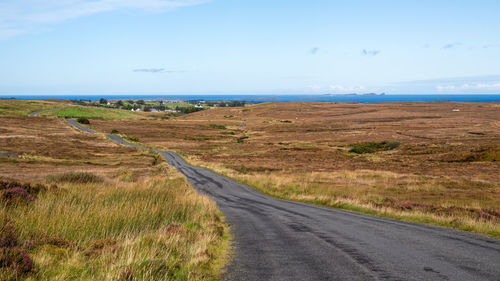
x=466, y=204
x=75, y=177
x=157, y=229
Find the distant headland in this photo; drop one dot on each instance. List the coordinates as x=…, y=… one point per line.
x=355, y=94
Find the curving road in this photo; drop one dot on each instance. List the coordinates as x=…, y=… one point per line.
x=45, y=110
x=77, y=125
x=283, y=240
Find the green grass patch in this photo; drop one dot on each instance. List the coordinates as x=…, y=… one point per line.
x=219, y=127
x=91, y=112
x=22, y=107
x=371, y=147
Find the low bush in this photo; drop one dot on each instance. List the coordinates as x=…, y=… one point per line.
x=215, y=126
x=114, y=131
x=481, y=155
x=8, y=233
x=130, y=138
x=371, y=147
x=83, y=120
x=76, y=177
x=99, y=245
x=241, y=140
x=32, y=189
x=391, y=145
x=16, y=195
x=16, y=260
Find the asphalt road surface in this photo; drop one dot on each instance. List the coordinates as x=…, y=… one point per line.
x=283, y=240
x=73, y=123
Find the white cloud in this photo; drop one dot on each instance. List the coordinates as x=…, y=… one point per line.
x=19, y=16
x=469, y=86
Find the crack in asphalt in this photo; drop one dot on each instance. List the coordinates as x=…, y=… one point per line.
x=284, y=240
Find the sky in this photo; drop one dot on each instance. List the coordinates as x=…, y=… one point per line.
x=62, y=47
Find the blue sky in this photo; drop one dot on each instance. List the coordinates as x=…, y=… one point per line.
x=248, y=47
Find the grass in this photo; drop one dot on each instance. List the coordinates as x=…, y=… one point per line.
x=91, y=112
x=130, y=138
x=371, y=147
x=155, y=229
x=13, y=107
x=467, y=205
x=75, y=177
x=441, y=173
x=219, y=127
x=481, y=155
x=116, y=214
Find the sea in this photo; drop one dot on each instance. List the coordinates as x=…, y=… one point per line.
x=279, y=98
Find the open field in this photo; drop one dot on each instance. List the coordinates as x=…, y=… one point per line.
x=128, y=216
x=25, y=107
x=50, y=145
x=441, y=167
x=92, y=112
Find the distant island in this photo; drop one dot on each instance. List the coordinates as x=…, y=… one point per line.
x=355, y=94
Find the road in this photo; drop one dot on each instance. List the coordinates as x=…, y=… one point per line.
x=73, y=123
x=284, y=240
x=45, y=110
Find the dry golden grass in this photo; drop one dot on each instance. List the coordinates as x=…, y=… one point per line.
x=142, y=221
x=446, y=166
x=158, y=228
x=25, y=107
x=50, y=145
x=466, y=205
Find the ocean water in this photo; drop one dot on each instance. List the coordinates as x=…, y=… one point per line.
x=279, y=98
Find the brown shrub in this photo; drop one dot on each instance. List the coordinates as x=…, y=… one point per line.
x=54, y=241
x=16, y=259
x=174, y=228
x=16, y=195
x=99, y=245
x=8, y=234
x=32, y=189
